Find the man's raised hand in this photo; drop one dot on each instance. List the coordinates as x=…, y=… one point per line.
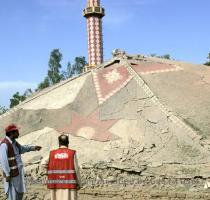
x=38, y=148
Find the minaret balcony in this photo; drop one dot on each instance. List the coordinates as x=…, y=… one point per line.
x=94, y=11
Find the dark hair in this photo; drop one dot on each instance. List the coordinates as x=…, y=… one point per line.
x=63, y=140
x=8, y=134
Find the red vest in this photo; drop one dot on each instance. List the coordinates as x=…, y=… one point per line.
x=11, y=157
x=61, y=171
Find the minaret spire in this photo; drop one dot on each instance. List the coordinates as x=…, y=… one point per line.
x=94, y=13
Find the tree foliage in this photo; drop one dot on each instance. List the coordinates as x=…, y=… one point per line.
x=68, y=73
x=79, y=64
x=208, y=62
x=77, y=67
x=3, y=110
x=16, y=99
x=54, y=74
x=44, y=84
x=165, y=56
x=28, y=92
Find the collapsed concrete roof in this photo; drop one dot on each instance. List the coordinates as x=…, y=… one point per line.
x=149, y=110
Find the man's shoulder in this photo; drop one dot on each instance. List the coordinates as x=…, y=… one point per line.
x=72, y=150
x=5, y=141
x=54, y=150
x=3, y=146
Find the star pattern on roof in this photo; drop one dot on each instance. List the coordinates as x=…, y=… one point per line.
x=108, y=81
x=113, y=76
x=90, y=127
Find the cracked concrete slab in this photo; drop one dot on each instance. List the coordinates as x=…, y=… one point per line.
x=153, y=114
x=126, y=129
x=186, y=93
x=148, y=136
x=126, y=104
x=86, y=101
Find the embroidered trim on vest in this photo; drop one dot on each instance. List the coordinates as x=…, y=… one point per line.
x=11, y=157
x=61, y=171
x=62, y=181
x=15, y=167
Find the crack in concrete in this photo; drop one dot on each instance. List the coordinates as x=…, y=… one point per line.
x=123, y=106
x=164, y=146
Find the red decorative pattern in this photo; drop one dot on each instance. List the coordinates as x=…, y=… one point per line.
x=90, y=127
x=95, y=43
x=150, y=68
x=109, y=81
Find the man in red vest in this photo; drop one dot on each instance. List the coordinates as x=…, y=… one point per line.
x=63, y=173
x=11, y=163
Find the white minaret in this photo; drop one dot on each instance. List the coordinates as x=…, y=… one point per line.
x=94, y=13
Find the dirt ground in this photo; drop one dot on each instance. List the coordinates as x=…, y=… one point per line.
x=187, y=191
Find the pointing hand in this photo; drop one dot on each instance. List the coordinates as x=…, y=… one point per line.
x=38, y=148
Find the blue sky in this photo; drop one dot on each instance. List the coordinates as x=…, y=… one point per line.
x=31, y=29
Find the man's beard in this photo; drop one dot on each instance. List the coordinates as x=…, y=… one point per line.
x=15, y=137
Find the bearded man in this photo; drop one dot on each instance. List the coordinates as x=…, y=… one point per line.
x=11, y=163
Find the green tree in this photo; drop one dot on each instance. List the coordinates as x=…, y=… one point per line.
x=43, y=84
x=208, y=62
x=77, y=67
x=165, y=56
x=54, y=74
x=68, y=73
x=16, y=99
x=28, y=92
x=3, y=110
x=79, y=64
x=153, y=55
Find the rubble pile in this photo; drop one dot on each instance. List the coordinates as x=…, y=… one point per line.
x=136, y=122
